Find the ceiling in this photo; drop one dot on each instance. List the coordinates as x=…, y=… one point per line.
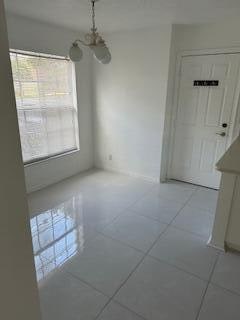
x=116, y=15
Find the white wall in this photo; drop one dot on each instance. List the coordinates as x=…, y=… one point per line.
x=18, y=286
x=30, y=35
x=133, y=96
x=130, y=98
x=219, y=35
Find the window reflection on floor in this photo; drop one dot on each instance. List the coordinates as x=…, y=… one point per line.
x=56, y=236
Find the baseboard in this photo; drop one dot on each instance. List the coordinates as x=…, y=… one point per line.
x=41, y=186
x=34, y=188
x=233, y=247
x=128, y=173
x=214, y=245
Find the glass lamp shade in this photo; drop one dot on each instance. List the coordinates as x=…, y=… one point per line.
x=101, y=52
x=107, y=59
x=75, y=53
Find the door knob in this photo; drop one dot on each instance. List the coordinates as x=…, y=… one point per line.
x=222, y=134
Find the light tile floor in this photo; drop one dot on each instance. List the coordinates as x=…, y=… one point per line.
x=113, y=247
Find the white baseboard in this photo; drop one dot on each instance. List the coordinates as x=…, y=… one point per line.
x=128, y=173
x=214, y=245
x=34, y=188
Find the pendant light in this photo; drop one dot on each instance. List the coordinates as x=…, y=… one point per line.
x=93, y=41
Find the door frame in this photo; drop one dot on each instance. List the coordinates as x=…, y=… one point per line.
x=170, y=132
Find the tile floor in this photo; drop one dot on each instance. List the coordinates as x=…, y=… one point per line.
x=113, y=247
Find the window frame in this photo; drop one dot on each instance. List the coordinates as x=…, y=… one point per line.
x=75, y=106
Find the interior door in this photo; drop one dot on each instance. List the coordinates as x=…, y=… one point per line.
x=203, y=120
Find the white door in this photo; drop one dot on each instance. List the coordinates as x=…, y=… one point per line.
x=203, y=121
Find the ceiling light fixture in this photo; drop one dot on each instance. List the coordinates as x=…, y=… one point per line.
x=92, y=40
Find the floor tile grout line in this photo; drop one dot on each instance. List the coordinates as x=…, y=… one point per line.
x=103, y=308
x=101, y=232
x=125, y=307
x=193, y=233
x=206, y=289
x=193, y=193
x=93, y=238
x=142, y=196
x=86, y=283
x=149, y=255
x=132, y=247
x=150, y=218
x=192, y=189
x=127, y=208
x=90, y=239
x=151, y=189
x=119, y=288
x=206, y=211
x=184, y=205
x=109, y=297
x=145, y=254
x=161, y=221
x=170, y=225
x=121, y=212
x=68, y=273
x=179, y=268
x=225, y=289
x=122, y=242
x=196, y=207
x=132, y=272
x=178, y=212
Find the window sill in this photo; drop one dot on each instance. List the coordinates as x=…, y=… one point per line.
x=51, y=158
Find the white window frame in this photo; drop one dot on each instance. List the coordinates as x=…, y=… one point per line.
x=75, y=105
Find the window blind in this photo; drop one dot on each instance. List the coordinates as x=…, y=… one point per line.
x=46, y=105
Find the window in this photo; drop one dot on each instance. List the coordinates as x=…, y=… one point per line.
x=46, y=105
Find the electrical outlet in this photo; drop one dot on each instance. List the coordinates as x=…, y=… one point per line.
x=110, y=157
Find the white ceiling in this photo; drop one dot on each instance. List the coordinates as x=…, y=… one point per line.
x=115, y=15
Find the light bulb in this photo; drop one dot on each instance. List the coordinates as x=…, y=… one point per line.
x=75, y=53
